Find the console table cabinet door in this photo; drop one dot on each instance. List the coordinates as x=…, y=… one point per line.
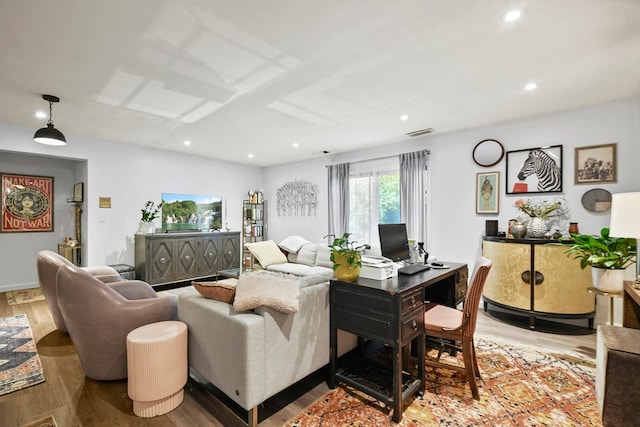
x=504, y=283
x=209, y=248
x=186, y=250
x=160, y=260
x=230, y=251
x=564, y=288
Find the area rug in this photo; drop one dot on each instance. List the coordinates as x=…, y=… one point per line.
x=20, y=365
x=42, y=422
x=521, y=387
x=24, y=296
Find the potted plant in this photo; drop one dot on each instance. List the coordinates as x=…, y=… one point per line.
x=607, y=256
x=346, y=258
x=149, y=213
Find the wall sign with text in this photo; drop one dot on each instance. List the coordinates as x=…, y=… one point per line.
x=27, y=203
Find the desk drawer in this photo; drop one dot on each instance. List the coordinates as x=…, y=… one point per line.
x=411, y=301
x=413, y=325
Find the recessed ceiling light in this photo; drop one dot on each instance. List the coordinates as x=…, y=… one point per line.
x=296, y=145
x=513, y=15
x=41, y=114
x=404, y=117
x=187, y=143
x=531, y=86
x=250, y=156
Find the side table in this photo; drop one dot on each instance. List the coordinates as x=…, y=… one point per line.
x=233, y=273
x=611, y=295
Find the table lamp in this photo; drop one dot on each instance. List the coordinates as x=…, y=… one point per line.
x=625, y=221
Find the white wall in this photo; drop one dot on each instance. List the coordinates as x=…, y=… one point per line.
x=129, y=174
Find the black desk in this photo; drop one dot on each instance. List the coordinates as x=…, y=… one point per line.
x=389, y=312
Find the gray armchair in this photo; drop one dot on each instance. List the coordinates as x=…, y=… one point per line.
x=48, y=263
x=99, y=317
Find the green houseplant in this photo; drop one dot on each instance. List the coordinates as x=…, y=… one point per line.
x=150, y=212
x=346, y=258
x=608, y=257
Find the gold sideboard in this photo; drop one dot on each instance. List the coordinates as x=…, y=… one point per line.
x=558, y=289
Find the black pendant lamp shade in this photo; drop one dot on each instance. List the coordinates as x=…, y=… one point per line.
x=50, y=135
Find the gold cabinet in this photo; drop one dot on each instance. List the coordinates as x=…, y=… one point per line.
x=537, y=278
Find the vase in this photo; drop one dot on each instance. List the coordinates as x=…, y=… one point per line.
x=519, y=230
x=343, y=270
x=607, y=280
x=145, y=227
x=573, y=228
x=537, y=227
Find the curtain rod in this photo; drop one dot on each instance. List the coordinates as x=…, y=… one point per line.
x=380, y=158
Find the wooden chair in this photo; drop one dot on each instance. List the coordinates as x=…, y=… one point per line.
x=444, y=324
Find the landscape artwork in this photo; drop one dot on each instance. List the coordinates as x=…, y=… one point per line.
x=188, y=212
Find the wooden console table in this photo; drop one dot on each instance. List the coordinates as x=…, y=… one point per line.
x=631, y=306
x=389, y=312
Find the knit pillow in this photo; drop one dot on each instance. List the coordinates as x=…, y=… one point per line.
x=266, y=253
x=262, y=288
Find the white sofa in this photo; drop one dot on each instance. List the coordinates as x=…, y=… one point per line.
x=252, y=355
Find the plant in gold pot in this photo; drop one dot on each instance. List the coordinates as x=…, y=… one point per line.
x=346, y=258
x=607, y=256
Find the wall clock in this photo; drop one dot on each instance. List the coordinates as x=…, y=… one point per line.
x=597, y=200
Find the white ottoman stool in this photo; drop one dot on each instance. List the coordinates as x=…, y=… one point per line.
x=157, y=367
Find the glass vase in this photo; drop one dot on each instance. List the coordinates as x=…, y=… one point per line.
x=537, y=227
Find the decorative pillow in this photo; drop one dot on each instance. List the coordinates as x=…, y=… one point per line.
x=324, y=257
x=292, y=244
x=266, y=253
x=222, y=290
x=278, y=291
x=307, y=254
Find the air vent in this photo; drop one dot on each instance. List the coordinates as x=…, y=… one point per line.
x=320, y=153
x=421, y=132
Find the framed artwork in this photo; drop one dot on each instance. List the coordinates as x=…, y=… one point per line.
x=27, y=203
x=596, y=164
x=534, y=170
x=488, y=192
x=78, y=192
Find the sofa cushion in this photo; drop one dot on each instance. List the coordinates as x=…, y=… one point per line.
x=292, y=244
x=222, y=290
x=306, y=255
x=263, y=288
x=323, y=259
x=266, y=253
x=301, y=270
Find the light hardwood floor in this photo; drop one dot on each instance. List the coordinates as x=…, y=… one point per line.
x=75, y=400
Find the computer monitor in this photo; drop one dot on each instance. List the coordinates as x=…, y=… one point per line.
x=394, y=243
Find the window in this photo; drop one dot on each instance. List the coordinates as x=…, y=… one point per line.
x=374, y=197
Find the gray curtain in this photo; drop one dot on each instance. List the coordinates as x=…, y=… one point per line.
x=338, y=176
x=413, y=206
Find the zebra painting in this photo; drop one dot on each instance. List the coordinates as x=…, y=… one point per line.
x=545, y=168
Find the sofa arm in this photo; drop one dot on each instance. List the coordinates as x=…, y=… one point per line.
x=226, y=347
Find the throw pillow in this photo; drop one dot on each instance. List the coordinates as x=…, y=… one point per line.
x=278, y=291
x=292, y=244
x=266, y=253
x=324, y=256
x=307, y=254
x=222, y=290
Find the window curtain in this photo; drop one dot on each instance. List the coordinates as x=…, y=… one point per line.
x=413, y=187
x=338, y=177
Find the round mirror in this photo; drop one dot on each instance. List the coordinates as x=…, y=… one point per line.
x=488, y=153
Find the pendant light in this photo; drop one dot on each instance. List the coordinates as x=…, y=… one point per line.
x=50, y=135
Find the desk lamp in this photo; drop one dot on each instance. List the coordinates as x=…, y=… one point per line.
x=625, y=221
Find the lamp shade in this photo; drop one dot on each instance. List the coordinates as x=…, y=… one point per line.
x=49, y=136
x=625, y=215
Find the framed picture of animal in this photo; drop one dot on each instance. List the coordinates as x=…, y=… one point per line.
x=534, y=170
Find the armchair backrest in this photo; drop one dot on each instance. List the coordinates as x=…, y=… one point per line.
x=474, y=292
x=48, y=263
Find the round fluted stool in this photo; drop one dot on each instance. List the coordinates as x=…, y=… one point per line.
x=157, y=367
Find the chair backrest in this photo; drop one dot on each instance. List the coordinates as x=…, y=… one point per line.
x=48, y=263
x=474, y=292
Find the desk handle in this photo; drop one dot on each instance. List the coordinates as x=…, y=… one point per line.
x=414, y=325
x=526, y=277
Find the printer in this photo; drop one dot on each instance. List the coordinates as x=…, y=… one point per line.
x=377, y=267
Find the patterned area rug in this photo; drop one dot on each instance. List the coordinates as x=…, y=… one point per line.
x=20, y=365
x=521, y=387
x=42, y=422
x=24, y=296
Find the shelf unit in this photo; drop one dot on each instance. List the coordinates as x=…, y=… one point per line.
x=254, y=226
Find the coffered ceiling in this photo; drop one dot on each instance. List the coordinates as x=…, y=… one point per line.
x=240, y=77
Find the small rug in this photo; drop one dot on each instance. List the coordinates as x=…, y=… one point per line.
x=522, y=387
x=42, y=422
x=20, y=365
x=24, y=296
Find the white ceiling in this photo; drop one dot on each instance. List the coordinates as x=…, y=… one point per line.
x=236, y=76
